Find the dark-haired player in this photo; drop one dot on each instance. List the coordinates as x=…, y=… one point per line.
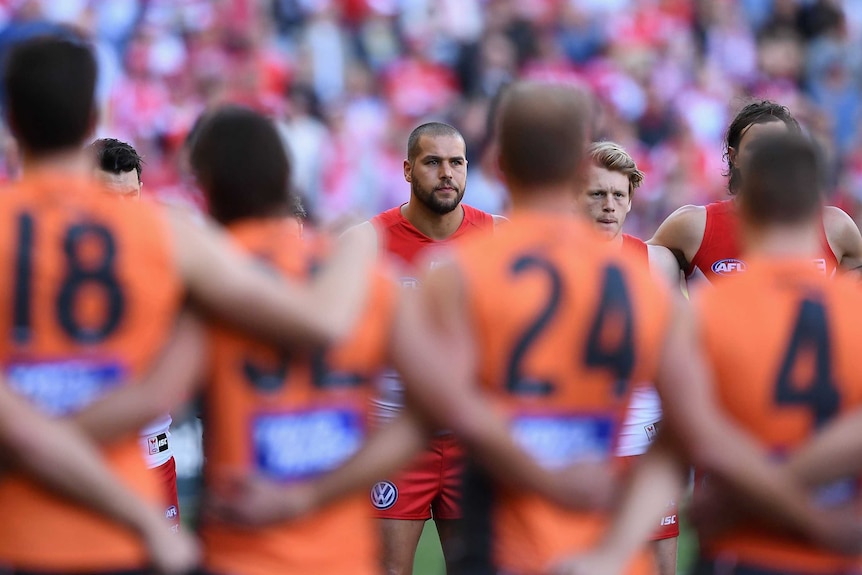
x=706, y=238
x=118, y=166
x=782, y=341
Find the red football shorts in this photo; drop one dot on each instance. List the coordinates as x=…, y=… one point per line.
x=429, y=487
x=668, y=525
x=167, y=474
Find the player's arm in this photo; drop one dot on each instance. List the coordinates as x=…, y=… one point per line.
x=716, y=445
x=434, y=351
x=843, y=237
x=664, y=265
x=834, y=453
x=682, y=233
x=250, y=500
x=169, y=384
x=225, y=283
x=659, y=477
x=58, y=455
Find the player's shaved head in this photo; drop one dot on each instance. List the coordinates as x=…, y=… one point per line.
x=781, y=180
x=432, y=130
x=543, y=133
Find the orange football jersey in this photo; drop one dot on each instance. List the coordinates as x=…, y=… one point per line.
x=91, y=292
x=783, y=341
x=290, y=418
x=563, y=323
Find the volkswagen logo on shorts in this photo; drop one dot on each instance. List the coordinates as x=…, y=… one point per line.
x=384, y=494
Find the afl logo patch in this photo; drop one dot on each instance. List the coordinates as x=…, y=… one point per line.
x=727, y=267
x=384, y=494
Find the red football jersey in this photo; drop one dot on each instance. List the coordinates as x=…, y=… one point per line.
x=721, y=250
x=636, y=246
x=401, y=239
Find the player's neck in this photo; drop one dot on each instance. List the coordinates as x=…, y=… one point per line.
x=436, y=226
x=557, y=200
x=788, y=241
x=72, y=163
x=617, y=241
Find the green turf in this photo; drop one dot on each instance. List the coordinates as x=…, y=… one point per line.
x=429, y=557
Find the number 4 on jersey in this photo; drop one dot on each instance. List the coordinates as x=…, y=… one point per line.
x=809, y=342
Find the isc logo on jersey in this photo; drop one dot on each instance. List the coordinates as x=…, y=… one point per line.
x=728, y=267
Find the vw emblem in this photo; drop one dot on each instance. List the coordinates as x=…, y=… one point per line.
x=384, y=494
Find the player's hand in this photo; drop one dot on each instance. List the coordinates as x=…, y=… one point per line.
x=170, y=552
x=589, y=485
x=595, y=562
x=712, y=512
x=254, y=501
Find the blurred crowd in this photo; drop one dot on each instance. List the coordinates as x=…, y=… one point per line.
x=348, y=79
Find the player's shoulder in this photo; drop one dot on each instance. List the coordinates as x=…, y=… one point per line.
x=686, y=223
x=689, y=215
x=840, y=227
x=478, y=218
x=835, y=216
x=387, y=218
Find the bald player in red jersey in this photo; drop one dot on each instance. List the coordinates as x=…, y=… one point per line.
x=436, y=169
x=606, y=200
x=706, y=238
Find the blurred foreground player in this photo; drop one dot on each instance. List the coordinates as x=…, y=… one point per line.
x=501, y=309
x=783, y=342
x=612, y=178
x=434, y=215
x=96, y=285
x=118, y=166
x=59, y=457
x=707, y=238
x=278, y=417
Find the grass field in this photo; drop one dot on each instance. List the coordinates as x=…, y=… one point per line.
x=429, y=558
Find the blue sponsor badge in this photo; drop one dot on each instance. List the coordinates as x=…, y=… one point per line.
x=299, y=445
x=62, y=387
x=840, y=493
x=556, y=441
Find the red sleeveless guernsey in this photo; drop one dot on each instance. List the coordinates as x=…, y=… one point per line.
x=720, y=250
x=399, y=238
x=636, y=246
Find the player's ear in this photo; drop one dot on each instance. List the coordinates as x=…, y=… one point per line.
x=731, y=156
x=408, y=171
